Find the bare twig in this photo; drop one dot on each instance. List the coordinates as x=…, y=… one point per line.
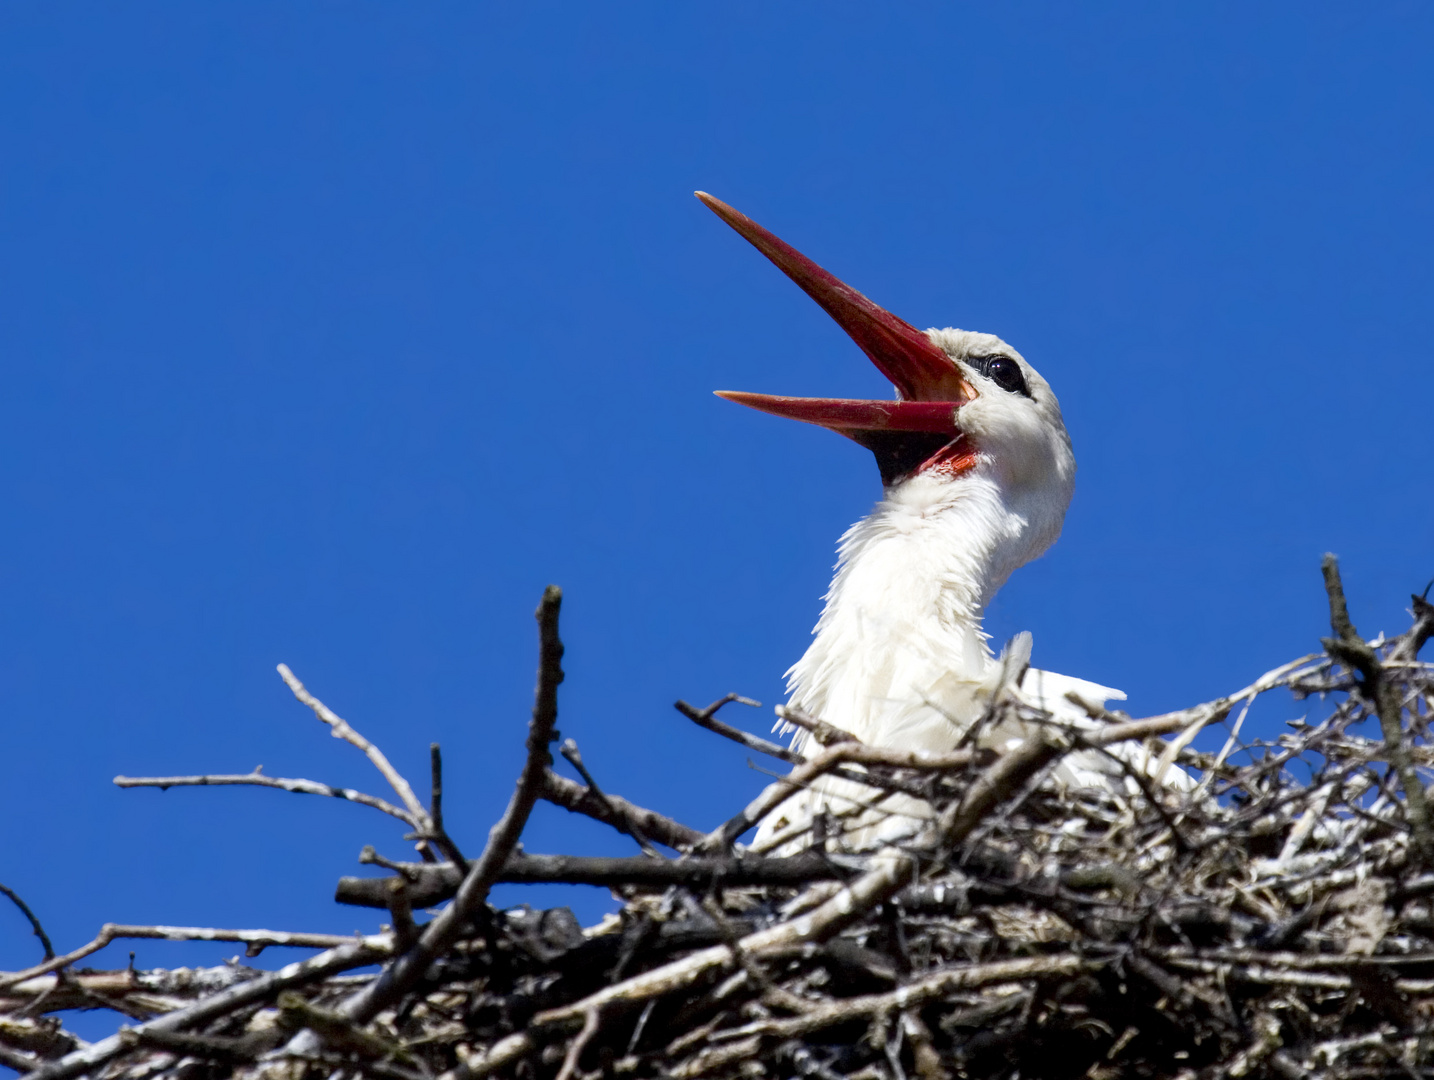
x=1206, y=713
x=584, y=1036
x=430, y=884
x=342, y=729
x=338, y=1031
x=914, y=994
x=824, y=733
x=18, y=1060
x=441, y=839
x=369, y=856
x=118, y=931
x=400, y=908
x=1351, y=650
x=707, y=718
x=574, y=757
x=844, y=752
x=618, y=812
x=353, y=953
x=401, y=975
x=1407, y=647
x=35, y=927
x=258, y=779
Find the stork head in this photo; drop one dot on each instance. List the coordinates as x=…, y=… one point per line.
x=967, y=405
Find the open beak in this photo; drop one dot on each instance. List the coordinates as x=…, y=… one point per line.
x=903, y=433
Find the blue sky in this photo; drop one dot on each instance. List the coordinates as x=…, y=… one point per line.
x=332, y=332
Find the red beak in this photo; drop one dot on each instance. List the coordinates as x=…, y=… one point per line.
x=929, y=384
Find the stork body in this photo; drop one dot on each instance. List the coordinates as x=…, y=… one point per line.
x=977, y=471
x=899, y=657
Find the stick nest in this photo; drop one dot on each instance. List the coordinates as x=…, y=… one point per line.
x=1271, y=915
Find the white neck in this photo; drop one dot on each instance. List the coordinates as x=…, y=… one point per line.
x=899, y=649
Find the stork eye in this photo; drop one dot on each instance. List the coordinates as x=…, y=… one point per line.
x=1005, y=373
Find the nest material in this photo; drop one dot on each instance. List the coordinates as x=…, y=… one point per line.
x=1275, y=918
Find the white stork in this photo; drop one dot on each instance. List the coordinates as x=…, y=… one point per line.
x=978, y=471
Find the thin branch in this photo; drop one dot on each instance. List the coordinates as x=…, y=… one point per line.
x=1353, y=652
x=369, y=856
x=399, y=977
x=337, y=1031
x=824, y=733
x=570, y=1060
x=916, y=994
x=400, y=907
x=430, y=885
x=258, y=779
x=1407, y=647
x=353, y=953
x=35, y=927
x=845, y=752
x=574, y=758
x=116, y=931
x=707, y=718
x=18, y=1060
x=440, y=835
x=1168, y=723
x=342, y=729
x=618, y=812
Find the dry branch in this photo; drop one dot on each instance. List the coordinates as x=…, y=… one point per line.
x=707, y=718
x=258, y=779
x=617, y=812
x=402, y=974
x=1354, y=652
x=341, y=729
x=431, y=884
x=35, y=927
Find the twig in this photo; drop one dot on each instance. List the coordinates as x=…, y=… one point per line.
x=1279, y=976
x=574, y=758
x=707, y=718
x=1351, y=650
x=1001, y=781
x=431, y=885
x=840, y=753
x=1407, y=648
x=1205, y=713
x=923, y=1051
x=441, y=838
x=400, y=908
x=369, y=856
x=915, y=994
x=18, y=1060
x=121, y=991
x=1298, y=961
x=617, y=812
x=400, y=976
x=336, y=1065
x=342, y=729
x=117, y=931
x=218, y=1048
x=258, y=779
x=353, y=953
x=35, y=927
x=570, y=1059
x=824, y=733
x=337, y=1031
